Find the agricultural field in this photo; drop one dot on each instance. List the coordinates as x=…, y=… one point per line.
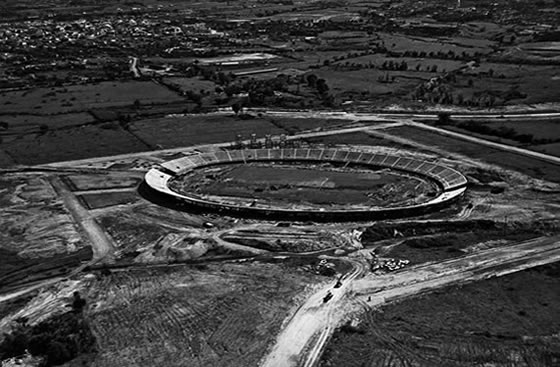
x=298, y=125
x=366, y=83
x=191, y=84
x=72, y=144
x=77, y=98
x=214, y=315
x=510, y=320
x=552, y=149
x=355, y=138
x=21, y=124
x=170, y=132
x=543, y=129
x=401, y=43
x=539, y=135
x=529, y=166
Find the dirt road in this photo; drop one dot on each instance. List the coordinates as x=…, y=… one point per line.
x=481, y=265
x=101, y=245
x=302, y=340
x=314, y=322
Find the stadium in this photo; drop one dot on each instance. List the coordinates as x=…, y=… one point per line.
x=174, y=180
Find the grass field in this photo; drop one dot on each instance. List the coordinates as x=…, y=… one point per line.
x=507, y=321
x=191, y=84
x=400, y=43
x=445, y=246
x=297, y=125
x=306, y=184
x=543, y=129
x=366, y=82
x=84, y=97
x=552, y=149
x=24, y=124
x=106, y=199
x=173, y=132
x=224, y=315
x=529, y=166
x=357, y=138
x=62, y=145
x=102, y=181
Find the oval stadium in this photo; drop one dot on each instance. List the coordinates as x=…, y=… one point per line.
x=307, y=184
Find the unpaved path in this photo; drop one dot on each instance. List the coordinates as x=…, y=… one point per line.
x=301, y=342
x=481, y=265
x=313, y=321
x=101, y=245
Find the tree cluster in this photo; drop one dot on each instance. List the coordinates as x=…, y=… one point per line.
x=56, y=340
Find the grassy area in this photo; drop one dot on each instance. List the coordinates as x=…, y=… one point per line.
x=510, y=320
x=18, y=270
x=62, y=145
x=106, y=199
x=173, y=132
x=540, y=129
x=84, y=97
x=527, y=165
x=297, y=125
x=24, y=123
x=102, y=181
x=449, y=245
x=305, y=184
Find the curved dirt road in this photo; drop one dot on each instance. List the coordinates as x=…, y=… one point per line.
x=311, y=325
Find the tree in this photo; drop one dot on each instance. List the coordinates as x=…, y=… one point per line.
x=236, y=107
x=311, y=80
x=137, y=104
x=57, y=354
x=322, y=86
x=444, y=118
x=78, y=303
